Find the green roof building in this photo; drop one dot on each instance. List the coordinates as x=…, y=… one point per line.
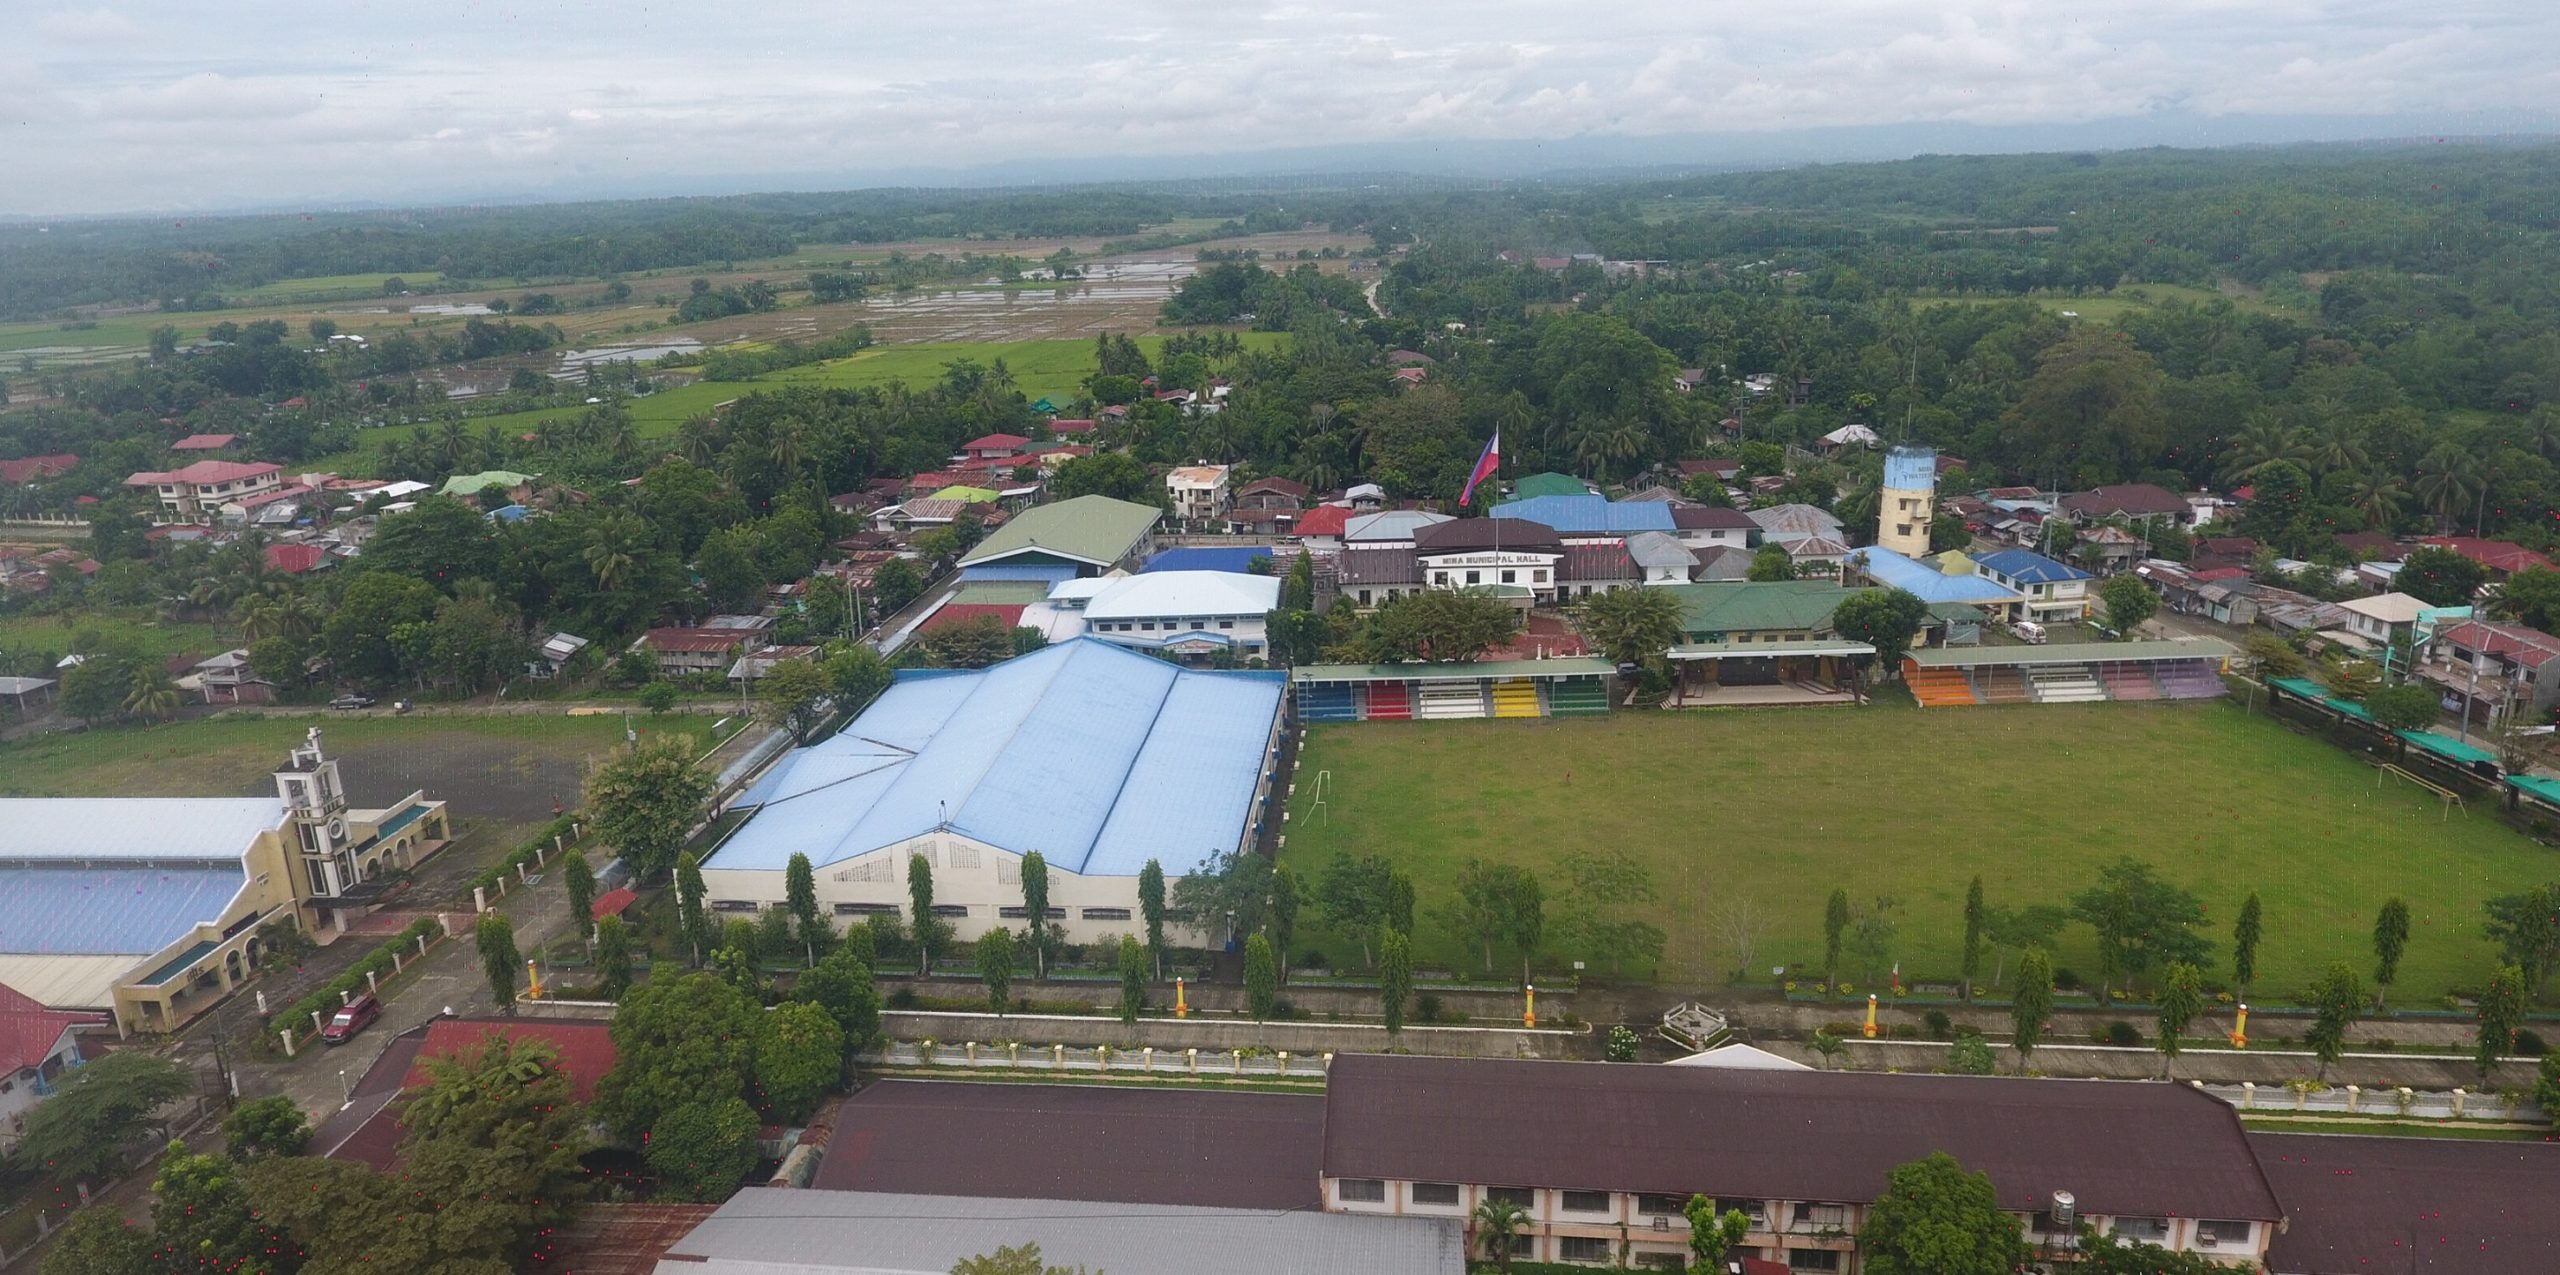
x=1763, y=610
x=1549, y=484
x=1089, y=534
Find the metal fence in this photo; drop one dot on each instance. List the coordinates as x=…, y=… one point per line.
x=1105, y=1059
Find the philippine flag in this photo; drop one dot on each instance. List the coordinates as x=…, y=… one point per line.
x=1485, y=465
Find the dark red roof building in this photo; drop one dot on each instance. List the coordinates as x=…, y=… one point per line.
x=295, y=559
x=18, y=473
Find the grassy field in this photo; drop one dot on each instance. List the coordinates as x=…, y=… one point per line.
x=1042, y=368
x=335, y=285
x=2107, y=307
x=1780, y=807
x=507, y=768
x=158, y=638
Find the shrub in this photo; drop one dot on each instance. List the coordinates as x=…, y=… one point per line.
x=1970, y=1056
x=1623, y=1044
x=2122, y=1033
x=1902, y=1031
x=903, y=998
x=1426, y=1007
x=1940, y=1027
x=2065, y=980
x=1845, y=1031
x=1282, y=1009
x=2529, y=1044
x=1314, y=959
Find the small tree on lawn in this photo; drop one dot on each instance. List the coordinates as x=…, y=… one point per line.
x=1035, y=910
x=2181, y=999
x=1395, y=978
x=1973, y=918
x=1151, y=909
x=1261, y=981
x=2501, y=1012
x=2245, y=934
x=1886, y=619
x=1133, y=980
x=646, y=800
x=800, y=1060
x=580, y=880
x=613, y=958
x=995, y=967
x=2030, y=1003
x=2129, y=602
x=2337, y=1003
x=800, y=894
x=1284, y=914
x=920, y=902
x=1712, y=1234
x=496, y=938
x=1826, y=1047
x=2390, y=939
x=1835, y=923
x=1937, y=1219
x=1498, y=1224
x=1970, y=1055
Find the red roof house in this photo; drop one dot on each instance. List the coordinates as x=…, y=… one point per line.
x=1071, y=427
x=31, y=1035
x=612, y=902
x=294, y=559
x=2504, y=557
x=30, y=469
x=993, y=445
x=205, y=443
x=367, y=1130
x=1323, y=520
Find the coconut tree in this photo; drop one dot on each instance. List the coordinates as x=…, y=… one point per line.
x=613, y=551
x=2449, y=477
x=2264, y=441
x=2376, y=493
x=152, y=695
x=1498, y=1225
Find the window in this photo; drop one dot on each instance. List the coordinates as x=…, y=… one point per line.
x=1812, y=1259
x=1672, y=1205
x=1364, y=597
x=1756, y=1210
x=1101, y=914
x=1226, y=624
x=733, y=905
x=1509, y=576
x=2219, y=1233
x=1520, y=1195
x=1538, y=576
x=2149, y=1230
x=1439, y=577
x=866, y=909
x=1444, y=1194
x=964, y=856
x=1586, y=1201
x=1199, y=624
x=951, y=911
x=1148, y=625
x=1360, y=1191
x=1815, y=1215
x=1582, y=1248
x=1017, y=912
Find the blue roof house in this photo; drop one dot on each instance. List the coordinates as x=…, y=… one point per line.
x=1578, y=518
x=2055, y=592
x=1878, y=565
x=1098, y=757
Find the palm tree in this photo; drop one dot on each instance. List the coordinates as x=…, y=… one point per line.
x=153, y=694
x=258, y=617
x=2263, y=442
x=2376, y=493
x=698, y=439
x=1498, y=1224
x=2448, y=478
x=1827, y=1046
x=611, y=553
x=2338, y=444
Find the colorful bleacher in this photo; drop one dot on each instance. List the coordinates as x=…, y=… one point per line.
x=1514, y=689
x=2081, y=673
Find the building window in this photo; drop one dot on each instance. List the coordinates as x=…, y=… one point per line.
x=1475, y=577
x=1812, y=1259
x=1538, y=576
x=1509, y=576
x=1586, y=1201
x=1360, y=1191
x=733, y=905
x=1582, y=1248
x=1520, y=1195
x=1018, y=912
x=1662, y=1205
x=2219, y=1233
x=1226, y=624
x=951, y=911
x=1364, y=597
x=964, y=856
x=1147, y=625
x=1106, y=914
x=2149, y=1230
x=1756, y=1210
x=866, y=909
x=1817, y=1215
x=1444, y=1194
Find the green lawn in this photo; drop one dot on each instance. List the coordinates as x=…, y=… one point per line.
x=473, y=760
x=1780, y=807
x=2107, y=307
x=332, y=285
x=156, y=637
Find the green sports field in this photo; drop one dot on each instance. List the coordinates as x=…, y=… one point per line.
x=1781, y=807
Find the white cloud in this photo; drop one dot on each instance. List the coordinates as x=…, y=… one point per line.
x=118, y=108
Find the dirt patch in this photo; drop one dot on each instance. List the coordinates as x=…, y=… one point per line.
x=485, y=776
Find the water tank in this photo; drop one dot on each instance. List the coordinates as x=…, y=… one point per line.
x=1911, y=468
x=2065, y=1210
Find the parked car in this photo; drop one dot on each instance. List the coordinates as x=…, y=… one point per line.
x=352, y=701
x=2029, y=632
x=358, y=1015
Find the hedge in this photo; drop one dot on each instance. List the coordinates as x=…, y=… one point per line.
x=378, y=962
x=560, y=827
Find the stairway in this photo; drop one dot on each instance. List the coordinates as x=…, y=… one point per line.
x=1516, y=697
x=2065, y=684
x=1390, y=702
x=1940, y=687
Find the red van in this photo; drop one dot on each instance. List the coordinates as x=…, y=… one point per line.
x=358, y=1015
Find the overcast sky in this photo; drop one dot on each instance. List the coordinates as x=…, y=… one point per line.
x=147, y=104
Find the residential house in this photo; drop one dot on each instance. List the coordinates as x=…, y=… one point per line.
x=2054, y=592
x=1846, y=437
x=2488, y=670
x=1199, y=492
x=2502, y=558
x=988, y=446
x=195, y=493
x=2139, y=502
x=1071, y=428
x=207, y=444
x=1781, y=523
x=2385, y=619
x=30, y=470
x=295, y=558
x=1322, y=527
x=1816, y=556
x=2109, y=549
x=228, y=678
x=1272, y=493
x=1724, y=562
x=551, y=659
x=682, y=652
x=1688, y=379
x=1710, y=526
x=1660, y=558
x=1947, y=579
x=37, y=1045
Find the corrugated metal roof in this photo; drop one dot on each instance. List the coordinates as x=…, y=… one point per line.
x=1098, y=757
x=2358, y=1204
x=1153, y=594
x=1094, y=529
x=2074, y=653
x=131, y=911
x=2029, y=566
x=1582, y=515
x=94, y=828
x=1753, y=606
x=66, y=982
x=1236, y=560
x=1895, y=571
x=1576, y=666
x=771, y=1231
